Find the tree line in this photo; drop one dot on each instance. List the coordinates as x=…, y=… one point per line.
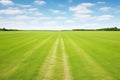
x=102, y=29
x=4, y=29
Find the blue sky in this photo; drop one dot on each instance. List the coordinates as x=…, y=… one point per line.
x=59, y=14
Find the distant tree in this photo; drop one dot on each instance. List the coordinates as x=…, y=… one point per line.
x=4, y=29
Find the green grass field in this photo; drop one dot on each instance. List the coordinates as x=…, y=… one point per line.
x=59, y=55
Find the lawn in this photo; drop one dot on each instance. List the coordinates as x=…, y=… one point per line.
x=59, y=55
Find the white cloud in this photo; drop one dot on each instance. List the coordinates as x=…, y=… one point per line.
x=6, y=2
x=24, y=6
x=82, y=8
x=60, y=17
x=87, y=4
x=40, y=2
x=32, y=9
x=22, y=17
x=57, y=11
x=100, y=2
x=105, y=17
x=15, y=11
x=105, y=8
x=82, y=11
x=11, y=11
x=45, y=18
x=37, y=13
x=83, y=17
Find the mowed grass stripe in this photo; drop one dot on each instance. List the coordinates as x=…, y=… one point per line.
x=26, y=55
x=105, y=52
x=8, y=48
x=10, y=59
x=93, y=68
x=10, y=36
x=14, y=43
x=18, y=43
x=58, y=65
x=29, y=68
x=26, y=42
x=61, y=66
x=46, y=71
x=40, y=44
x=67, y=71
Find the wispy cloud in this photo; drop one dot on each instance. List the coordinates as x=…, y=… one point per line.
x=11, y=11
x=57, y=11
x=82, y=11
x=40, y=2
x=82, y=8
x=24, y=5
x=105, y=17
x=6, y=2
x=105, y=8
x=60, y=18
x=101, y=2
x=22, y=17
